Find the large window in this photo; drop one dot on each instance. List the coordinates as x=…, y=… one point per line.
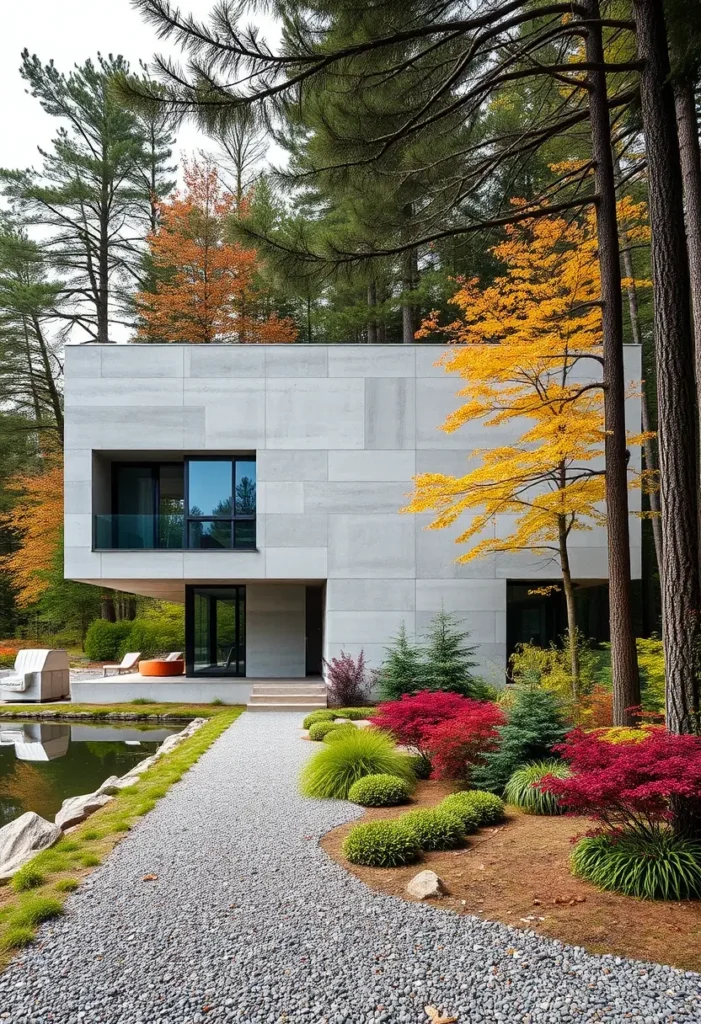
x=221, y=503
x=198, y=503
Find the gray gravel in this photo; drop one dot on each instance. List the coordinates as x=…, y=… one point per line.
x=250, y=921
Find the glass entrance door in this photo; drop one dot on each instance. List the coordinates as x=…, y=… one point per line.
x=215, y=631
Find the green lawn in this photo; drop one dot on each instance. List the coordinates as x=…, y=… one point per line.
x=39, y=889
x=136, y=708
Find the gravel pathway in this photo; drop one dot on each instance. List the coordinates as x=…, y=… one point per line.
x=250, y=921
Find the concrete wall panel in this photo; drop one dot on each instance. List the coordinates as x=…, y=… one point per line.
x=390, y=412
x=315, y=413
x=371, y=547
x=275, y=631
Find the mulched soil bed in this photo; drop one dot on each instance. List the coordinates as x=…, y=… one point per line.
x=518, y=873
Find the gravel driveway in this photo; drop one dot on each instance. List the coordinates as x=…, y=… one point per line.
x=250, y=921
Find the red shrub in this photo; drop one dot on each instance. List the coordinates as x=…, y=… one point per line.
x=456, y=745
x=627, y=785
x=407, y=719
x=347, y=681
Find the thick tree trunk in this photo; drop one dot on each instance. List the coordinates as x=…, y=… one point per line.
x=624, y=659
x=372, y=305
x=676, y=397
x=54, y=396
x=570, y=604
x=408, y=325
x=690, y=157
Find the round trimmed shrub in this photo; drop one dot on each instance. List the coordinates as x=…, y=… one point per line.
x=381, y=844
x=321, y=715
x=435, y=829
x=487, y=808
x=379, y=791
x=331, y=772
x=465, y=811
x=659, y=866
x=317, y=730
x=340, y=729
x=522, y=788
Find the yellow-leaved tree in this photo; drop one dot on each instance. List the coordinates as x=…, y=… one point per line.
x=525, y=346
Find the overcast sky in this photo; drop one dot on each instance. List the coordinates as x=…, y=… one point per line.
x=69, y=31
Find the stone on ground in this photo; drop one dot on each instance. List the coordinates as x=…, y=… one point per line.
x=425, y=886
x=77, y=808
x=22, y=839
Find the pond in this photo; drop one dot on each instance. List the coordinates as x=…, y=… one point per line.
x=42, y=763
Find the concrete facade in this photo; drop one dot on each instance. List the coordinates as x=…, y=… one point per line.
x=338, y=432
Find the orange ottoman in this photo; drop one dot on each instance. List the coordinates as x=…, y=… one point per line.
x=158, y=667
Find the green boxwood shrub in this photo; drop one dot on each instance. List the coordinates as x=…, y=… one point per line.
x=486, y=808
x=317, y=730
x=340, y=729
x=381, y=844
x=331, y=772
x=355, y=714
x=522, y=788
x=468, y=815
x=658, y=866
x=103, y=639
x=436, y=829
x=322, y=715
x=379, y=791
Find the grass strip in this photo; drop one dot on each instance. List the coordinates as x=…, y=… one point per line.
x=39, y=889
x=138, y=710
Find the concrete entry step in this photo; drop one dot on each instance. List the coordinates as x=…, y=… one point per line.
x=286, y=698
x=305, y=708
x=312, y=689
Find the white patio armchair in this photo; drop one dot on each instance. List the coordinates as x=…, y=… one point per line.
x=129, y=663
x=175, y=656
x=38, y=675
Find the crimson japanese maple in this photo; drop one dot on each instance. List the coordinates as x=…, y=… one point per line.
x=408, y=718
x=628, y=786
x=455, y=745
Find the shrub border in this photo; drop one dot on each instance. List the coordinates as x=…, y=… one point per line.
x=95, y=838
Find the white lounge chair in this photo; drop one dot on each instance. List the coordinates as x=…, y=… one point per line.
x=38, y=675
x=129, y=663
x=175, y=656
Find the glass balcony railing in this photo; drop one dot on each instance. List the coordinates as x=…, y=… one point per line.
x=123, y=532
x=172, y=531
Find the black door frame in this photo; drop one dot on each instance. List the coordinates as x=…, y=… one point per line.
x=239, y=670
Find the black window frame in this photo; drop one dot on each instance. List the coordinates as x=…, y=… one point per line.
x=239, y=669
x=154, y=466
x=234, y=517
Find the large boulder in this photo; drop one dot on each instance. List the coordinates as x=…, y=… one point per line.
x=22, y=839
x=425, y=886
x=77, y=808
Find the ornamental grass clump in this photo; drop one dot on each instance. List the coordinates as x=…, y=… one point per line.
x=475, y=805
x=633, y=790
x=379, y=791
x=381, y=844
x=661, y=866
x=436, y=829
x=331, y=772
x=523, y=788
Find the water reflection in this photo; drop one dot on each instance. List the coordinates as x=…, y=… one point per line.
x=43, y=763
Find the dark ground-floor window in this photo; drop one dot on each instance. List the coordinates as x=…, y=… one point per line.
x=215, y=631
x=541, y=619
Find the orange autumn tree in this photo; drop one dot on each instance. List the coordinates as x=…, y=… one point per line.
x=524, y=344
x=204, y=284
x=36, y=521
